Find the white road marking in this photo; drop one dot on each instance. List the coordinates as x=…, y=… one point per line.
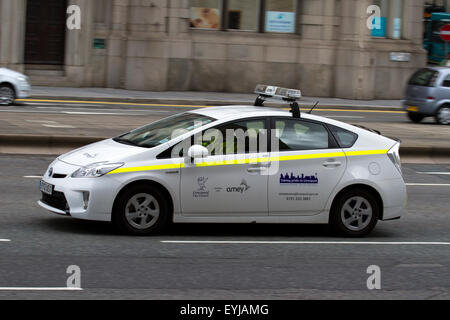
x=5, y=240
x=41, y=121
x=428, y=184
x=419, y=265
x=58, y=126
x=306, y=242
x=99, y=113
x=38, y=289
x=350, y=117
x=32, y=177
x=102, y=109
x=435, y=173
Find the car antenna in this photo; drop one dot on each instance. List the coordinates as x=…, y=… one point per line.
x=310, y=111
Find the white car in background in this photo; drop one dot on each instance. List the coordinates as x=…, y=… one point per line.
x=315, y=170
x=13, y=85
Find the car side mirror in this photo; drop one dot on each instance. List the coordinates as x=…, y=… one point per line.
x=197, y=151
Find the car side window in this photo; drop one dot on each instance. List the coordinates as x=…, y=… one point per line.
x=446, y=82
x=293, y=134
x=245, y=136
x=345, y=138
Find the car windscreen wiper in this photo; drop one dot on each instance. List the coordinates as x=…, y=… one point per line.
x=127, y=142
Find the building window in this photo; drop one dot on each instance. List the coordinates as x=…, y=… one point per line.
x=280, y=16
x=206, y=14
x=245, y=15
x=391, y=19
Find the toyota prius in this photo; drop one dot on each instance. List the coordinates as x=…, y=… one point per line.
x=233, y=164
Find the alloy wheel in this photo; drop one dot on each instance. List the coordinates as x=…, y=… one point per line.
x=142, y=211
x=356, y=213
x=443, y=115
x=6, y=95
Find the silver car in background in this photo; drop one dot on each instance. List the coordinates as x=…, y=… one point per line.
x=428, y=95
x=13, y=85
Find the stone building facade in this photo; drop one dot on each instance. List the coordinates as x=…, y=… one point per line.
x=323, y=47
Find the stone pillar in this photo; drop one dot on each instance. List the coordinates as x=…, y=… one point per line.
x=12, y=33
x=78, y=48
x=355, y=61
x=117, y=45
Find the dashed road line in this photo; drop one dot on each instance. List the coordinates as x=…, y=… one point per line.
x=39, y=289
x=428, y=184
x=435, y=173
x=382, y=243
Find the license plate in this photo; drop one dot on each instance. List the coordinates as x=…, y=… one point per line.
x=46, y=187
x=413, y=109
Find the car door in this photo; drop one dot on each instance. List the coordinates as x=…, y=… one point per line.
x=309, y=166
x=230, y=181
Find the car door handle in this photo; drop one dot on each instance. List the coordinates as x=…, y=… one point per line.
x=332, y=164
x=255, y=169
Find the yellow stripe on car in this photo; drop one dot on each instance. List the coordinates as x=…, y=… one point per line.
x=252, y=160
x=148, y=168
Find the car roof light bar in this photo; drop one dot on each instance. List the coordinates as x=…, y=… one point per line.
x=290, y=95
x=285, y=94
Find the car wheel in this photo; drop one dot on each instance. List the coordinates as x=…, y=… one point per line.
x=141, y=210
x=443, y=115
x=7, y=95
x=415, y=117
x=355, y=213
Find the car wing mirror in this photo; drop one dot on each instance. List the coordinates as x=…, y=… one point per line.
x=197, y=152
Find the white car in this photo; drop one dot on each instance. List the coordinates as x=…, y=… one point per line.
x=304, y=169
x=13, y=85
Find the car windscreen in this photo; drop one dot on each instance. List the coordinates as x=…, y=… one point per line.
x=423, y=77
x=162, y=131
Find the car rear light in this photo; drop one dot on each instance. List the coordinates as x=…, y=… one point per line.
x=394, y=156
x=431, y=98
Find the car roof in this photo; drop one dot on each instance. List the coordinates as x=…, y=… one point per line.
x=230, y=113
x=241, y=111
x=220, y=113
x=438, y=68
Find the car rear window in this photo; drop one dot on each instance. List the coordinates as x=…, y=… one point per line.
x=423, y=77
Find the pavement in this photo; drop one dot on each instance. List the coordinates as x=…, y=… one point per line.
x=55, y=126
x=191, y=98
x=233, y=262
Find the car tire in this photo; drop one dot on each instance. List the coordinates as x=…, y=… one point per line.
x=141, y=210
x=443, y=115
x=415, y=117
x=355, y=213
x=7, y=95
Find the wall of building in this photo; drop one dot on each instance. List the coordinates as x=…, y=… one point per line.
x=150, y=46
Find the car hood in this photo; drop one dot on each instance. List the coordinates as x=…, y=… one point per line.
x=103, y=151
x=10, y=73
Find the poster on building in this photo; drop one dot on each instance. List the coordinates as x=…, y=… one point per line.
x=379, y=27
x=280, y=21
x=205, y=18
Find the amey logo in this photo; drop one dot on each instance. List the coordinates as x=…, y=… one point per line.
x=241, y=188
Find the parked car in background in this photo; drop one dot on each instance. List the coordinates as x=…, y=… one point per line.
x=13, y=85
x=428, y=95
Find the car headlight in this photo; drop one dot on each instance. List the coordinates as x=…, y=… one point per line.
x=95, y=170
x=23, y=79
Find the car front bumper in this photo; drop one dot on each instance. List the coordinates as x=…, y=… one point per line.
x=80, y=198
x=23, y=90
